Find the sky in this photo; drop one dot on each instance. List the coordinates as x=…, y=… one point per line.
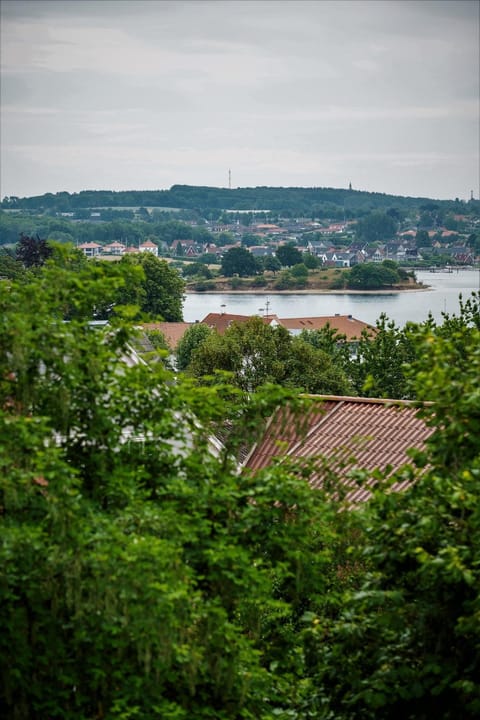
x=145, y=94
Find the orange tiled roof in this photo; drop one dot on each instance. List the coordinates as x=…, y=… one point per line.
x=343, y=324
x=173, y=331
x=222, y=321
x=350, y=433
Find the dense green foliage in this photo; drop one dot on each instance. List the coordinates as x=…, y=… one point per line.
x=407, y=640
x=255, y=353
x=161, y=291
x=238, y=261
x=32, y=251
x=377, y=226
x=288, y=255
x=372, y=276
x=141, y=576
x=144, y=575
x=295, y=201
x=191, y=339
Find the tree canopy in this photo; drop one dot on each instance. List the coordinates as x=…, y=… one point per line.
x=238, y=261
x=32, y=251
x=406, y=642
x=288, y=255
x=140, y=573
x=145, y=573
x=372, y=276
x=255, y=353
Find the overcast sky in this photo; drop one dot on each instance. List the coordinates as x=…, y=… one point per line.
x=138, y=94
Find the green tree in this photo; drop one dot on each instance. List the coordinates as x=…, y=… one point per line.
x=376, y=227
x=313, y=370
x=310, y=261
x=192, y=338
x=140, y=572
x=288, y=255
x=406, y=642
x=255, y=353
x=10, y=267
x=196, y=268
x=379, y=366
x=238, y=261
x=422, y=239
x=271, y=263
x=332, y=343
x=371, y=276
x=161, y=292
x=299, y=271
x=250, y=239
x=32, y=251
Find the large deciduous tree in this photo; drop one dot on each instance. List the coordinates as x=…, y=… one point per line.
x=406, y=642
x=190, y=341
x=161, y=290
x=376, y=227
x=238, y=261
x=288, y=255
x=372, y=276
x=379, y=367
x=141, y=574
x=32, y=251
x=256, y=353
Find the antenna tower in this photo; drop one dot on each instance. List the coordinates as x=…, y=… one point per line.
x=229, y=179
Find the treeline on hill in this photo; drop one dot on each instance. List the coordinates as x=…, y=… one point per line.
x=143, y=575
x=290, y=201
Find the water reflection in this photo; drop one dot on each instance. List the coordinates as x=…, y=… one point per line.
x=401, y=307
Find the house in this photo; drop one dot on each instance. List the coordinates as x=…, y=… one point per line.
x=316, y=247
x=222, y=321
x=461, y=254
x=349, y=433
x=211, y=249
x=90, y=249
x=149, y=246
x=262, y=250
x=377, y=255
x=343, y=324
x=343, y=259
x=267, y=229
x=114, y=248
x=172, y=331
x=189, y=248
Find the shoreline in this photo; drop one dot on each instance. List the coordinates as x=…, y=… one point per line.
x=308, y=291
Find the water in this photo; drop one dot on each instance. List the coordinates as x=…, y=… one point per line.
x=412, y=305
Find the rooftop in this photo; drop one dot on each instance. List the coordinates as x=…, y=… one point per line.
x=350, y=432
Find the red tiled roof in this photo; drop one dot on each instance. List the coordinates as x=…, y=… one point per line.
x=172, y=331
x=343, y=324
x=349, y=433
x=222, y=321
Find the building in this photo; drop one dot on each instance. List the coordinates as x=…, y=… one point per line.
x=149, y=246
x=343, y=435
x=91, y=249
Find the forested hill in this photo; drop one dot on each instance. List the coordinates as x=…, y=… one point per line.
x=294, y=201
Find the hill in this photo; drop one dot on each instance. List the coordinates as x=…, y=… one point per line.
x=289, y=201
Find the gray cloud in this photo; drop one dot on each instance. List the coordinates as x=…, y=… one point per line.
x=320, y=92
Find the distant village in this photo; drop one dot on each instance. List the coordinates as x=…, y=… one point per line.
x=334, y=244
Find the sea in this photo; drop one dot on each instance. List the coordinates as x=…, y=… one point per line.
x=443, y=289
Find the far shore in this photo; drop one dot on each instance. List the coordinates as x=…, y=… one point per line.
x=308, y=291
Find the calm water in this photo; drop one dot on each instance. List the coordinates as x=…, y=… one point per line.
x=442, y=296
